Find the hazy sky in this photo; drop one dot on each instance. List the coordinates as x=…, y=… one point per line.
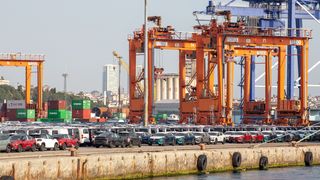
x=78, y=36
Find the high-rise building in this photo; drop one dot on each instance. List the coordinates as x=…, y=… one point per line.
x=110, y=78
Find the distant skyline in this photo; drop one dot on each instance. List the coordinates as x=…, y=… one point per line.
x=78, y=37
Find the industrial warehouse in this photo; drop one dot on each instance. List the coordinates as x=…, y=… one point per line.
x=210, y=94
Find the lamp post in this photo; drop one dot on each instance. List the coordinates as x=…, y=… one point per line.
x=146, y=48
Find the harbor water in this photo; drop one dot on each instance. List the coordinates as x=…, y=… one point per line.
x=294, y=173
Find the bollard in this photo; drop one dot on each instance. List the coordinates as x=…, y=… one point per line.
x=202, y=147
x=73, y=151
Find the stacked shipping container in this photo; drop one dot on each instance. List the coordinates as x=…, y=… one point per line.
x=17, y=110
x=57, y=112
x=81, y=109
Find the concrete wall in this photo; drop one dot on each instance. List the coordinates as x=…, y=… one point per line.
x=130, y=165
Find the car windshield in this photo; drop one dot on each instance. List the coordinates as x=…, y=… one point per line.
x=15, y=137
x=3, y=137
x=180, y=134
x=239, y=133
x=160, y=134
x=229, y=133
x=59, y=136
x=198, y=134
x=213, y=133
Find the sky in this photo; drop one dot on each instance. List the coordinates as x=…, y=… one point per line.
x=78, y=36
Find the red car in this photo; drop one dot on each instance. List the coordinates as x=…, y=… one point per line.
x=241, y=137
x=22, y=142
x=66, y=140
x=257, y=137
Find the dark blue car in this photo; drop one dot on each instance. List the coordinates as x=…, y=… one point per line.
x=189, y=138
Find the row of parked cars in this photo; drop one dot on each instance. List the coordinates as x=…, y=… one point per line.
x=33, y=142
x=41, y=136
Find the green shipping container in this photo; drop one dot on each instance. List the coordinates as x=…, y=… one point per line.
x=81, y=104
x=57, y=114
x=25, y=113
x=161, y=117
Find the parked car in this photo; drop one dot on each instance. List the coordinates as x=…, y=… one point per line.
x=109, y=139
x=162, y=139
x=257, y=136
x=130, y=138
x=227, y=136
x=22, y=142
x=189, y=138
x=241, y=137
x=217, y=137
x=144, y=136
x=202, y=137
x=66, y=140
x=45, y=142
x=5, y=143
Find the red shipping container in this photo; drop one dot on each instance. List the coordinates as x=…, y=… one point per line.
x=11, y=114
x=81, y=114
x=57, y=105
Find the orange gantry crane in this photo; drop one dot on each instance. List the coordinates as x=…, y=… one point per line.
x=215, y=48
x=27, y=61
x=159, y=38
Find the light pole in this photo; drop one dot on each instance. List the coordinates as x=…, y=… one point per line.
x=146, y=48
x=119, y=87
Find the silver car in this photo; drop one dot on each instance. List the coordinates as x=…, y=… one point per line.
x=4, y=143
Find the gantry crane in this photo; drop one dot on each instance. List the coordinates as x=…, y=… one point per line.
x=159, y=38
x=27, y=61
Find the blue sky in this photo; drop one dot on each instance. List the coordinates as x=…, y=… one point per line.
x=78, y=36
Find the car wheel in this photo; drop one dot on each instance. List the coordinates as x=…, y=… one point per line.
x=150, y=144
x=8, y=148
x=139, y=144
x=19, y=149
x=42, y=147
x=33, y=148
x=173, y=142
x=63, y=146
x=215, y=141
x=224, y=141
x=56, y=147
x=193, y=142
x=77, y=145
x=111, y=145
x=130, y=144
x=97, y=146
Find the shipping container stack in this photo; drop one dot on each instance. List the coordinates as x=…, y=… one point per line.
x=17, y=110
x=81, y=110
x=57, y=112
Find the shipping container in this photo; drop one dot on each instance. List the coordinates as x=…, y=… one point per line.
x=11, y=114
x=25, y=113
x=31, y=106
x=45, y=106
x=59, y=114
x=57, y=105
x=99, y=111
x=81, y=114
x=48, y=120
x=16, y=104
x=81, y=104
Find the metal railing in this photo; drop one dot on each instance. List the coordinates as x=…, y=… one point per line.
x=19, y=56
x=278, y=32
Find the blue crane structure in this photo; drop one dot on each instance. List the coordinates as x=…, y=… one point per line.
x=272, y=14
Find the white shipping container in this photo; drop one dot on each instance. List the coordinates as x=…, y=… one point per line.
x=16, y=104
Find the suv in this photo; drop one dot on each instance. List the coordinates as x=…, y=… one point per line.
x=45, y=141
x=130, y=139
x=5, y=143
x=66, y=140
x=22, y=142
x=216, y=137
x=108, y=139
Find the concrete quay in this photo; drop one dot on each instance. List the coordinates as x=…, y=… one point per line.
x=147, y=164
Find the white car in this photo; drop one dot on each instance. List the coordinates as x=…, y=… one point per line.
x=45, y=142
x=216, y=137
